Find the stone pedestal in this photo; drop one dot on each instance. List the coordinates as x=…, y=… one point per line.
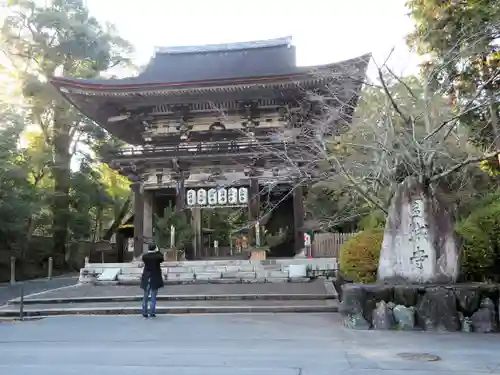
x=465, y=307
x=419, y=244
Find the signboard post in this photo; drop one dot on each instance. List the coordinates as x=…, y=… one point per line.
x=307, y=244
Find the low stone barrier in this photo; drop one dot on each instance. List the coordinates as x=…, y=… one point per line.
x=459, y=307
x=213, y=270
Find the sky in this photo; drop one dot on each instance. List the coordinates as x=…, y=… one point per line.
x=324, y=31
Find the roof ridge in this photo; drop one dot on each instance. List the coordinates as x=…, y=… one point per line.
x=223, y=47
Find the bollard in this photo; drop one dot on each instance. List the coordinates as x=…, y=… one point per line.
x=51, y=266
x=87, y=261
x=12, y=270
x=21, y=302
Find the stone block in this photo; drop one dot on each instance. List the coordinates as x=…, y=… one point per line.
x=456, y=307
x=437, y=310
x=241, y=268
x=297, y=271
x=246, y=275
x=231, y=275
x=131, y=271
x=185, y=276
x=276, y=274
x=276, y=280
x=208, y=276
x=179, y=269
x=218, y=269
x=86, y=279
x=129, y=279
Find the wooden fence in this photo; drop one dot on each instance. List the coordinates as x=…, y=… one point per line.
x=328, y=245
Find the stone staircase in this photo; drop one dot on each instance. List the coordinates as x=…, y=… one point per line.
x=315, y=296
x=214, y=271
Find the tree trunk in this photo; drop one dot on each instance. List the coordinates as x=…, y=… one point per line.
x=61, y=173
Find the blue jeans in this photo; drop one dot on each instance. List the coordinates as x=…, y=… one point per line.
x=145, y=298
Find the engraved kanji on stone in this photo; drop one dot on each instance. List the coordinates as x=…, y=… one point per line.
x=418, y=258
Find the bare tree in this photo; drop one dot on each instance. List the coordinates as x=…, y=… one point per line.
x=405, y=148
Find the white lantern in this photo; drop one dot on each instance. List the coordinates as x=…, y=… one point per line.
x=222, y=196
x=232, y=195
x=243, y=195
x=191, y=197
x=212, y=197
x=202, y=197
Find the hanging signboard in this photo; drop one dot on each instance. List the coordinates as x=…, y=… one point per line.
x=217, y=197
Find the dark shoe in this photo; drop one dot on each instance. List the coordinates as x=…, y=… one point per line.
x=144, y=315
x=153, y=315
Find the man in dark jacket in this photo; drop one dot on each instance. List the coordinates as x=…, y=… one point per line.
x=152, y=279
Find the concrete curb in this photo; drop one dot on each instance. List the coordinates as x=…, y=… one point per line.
x=136, y=281
x=180, y=297
x=170, y=310
x=72, y=276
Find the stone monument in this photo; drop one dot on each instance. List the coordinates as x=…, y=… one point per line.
x=419, y=243
x=417, y=274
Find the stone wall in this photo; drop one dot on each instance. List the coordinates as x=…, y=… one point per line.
x=459, y=307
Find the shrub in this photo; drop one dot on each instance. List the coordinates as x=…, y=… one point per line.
x=360, y=254
x=479, y=233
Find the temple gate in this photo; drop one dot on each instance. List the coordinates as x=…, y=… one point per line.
x=207, y=127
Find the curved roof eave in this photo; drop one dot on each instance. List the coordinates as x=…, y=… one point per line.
x=136, y=83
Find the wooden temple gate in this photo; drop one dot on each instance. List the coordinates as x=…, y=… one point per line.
x=213, y=120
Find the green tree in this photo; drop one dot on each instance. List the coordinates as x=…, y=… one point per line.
x=59, y=38
x=461, y=40
x=19, y=197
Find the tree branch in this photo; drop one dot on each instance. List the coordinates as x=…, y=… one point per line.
x=463, y=164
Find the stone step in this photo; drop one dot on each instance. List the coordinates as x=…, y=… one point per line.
x=173, y=279
x=178, y=297
x=314, y=262
x=212, y=275
x=212, y=270
x=136, y=310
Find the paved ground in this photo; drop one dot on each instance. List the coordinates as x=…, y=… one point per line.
x=8, y=291
x=116, y=305
x=87, y=290
x=264, y=344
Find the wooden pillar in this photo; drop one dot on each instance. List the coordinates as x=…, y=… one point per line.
x=253, y=208
x=197, y=238
x=137, y=188
x=298, y=217
x=148, y=217
x=180, y=198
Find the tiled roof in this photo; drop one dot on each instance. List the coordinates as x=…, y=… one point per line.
x=286, y=41
x=238, y=60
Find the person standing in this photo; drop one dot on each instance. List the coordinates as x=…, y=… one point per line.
x=151, y=279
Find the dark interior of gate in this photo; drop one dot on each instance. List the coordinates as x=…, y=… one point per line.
x=203, y=127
